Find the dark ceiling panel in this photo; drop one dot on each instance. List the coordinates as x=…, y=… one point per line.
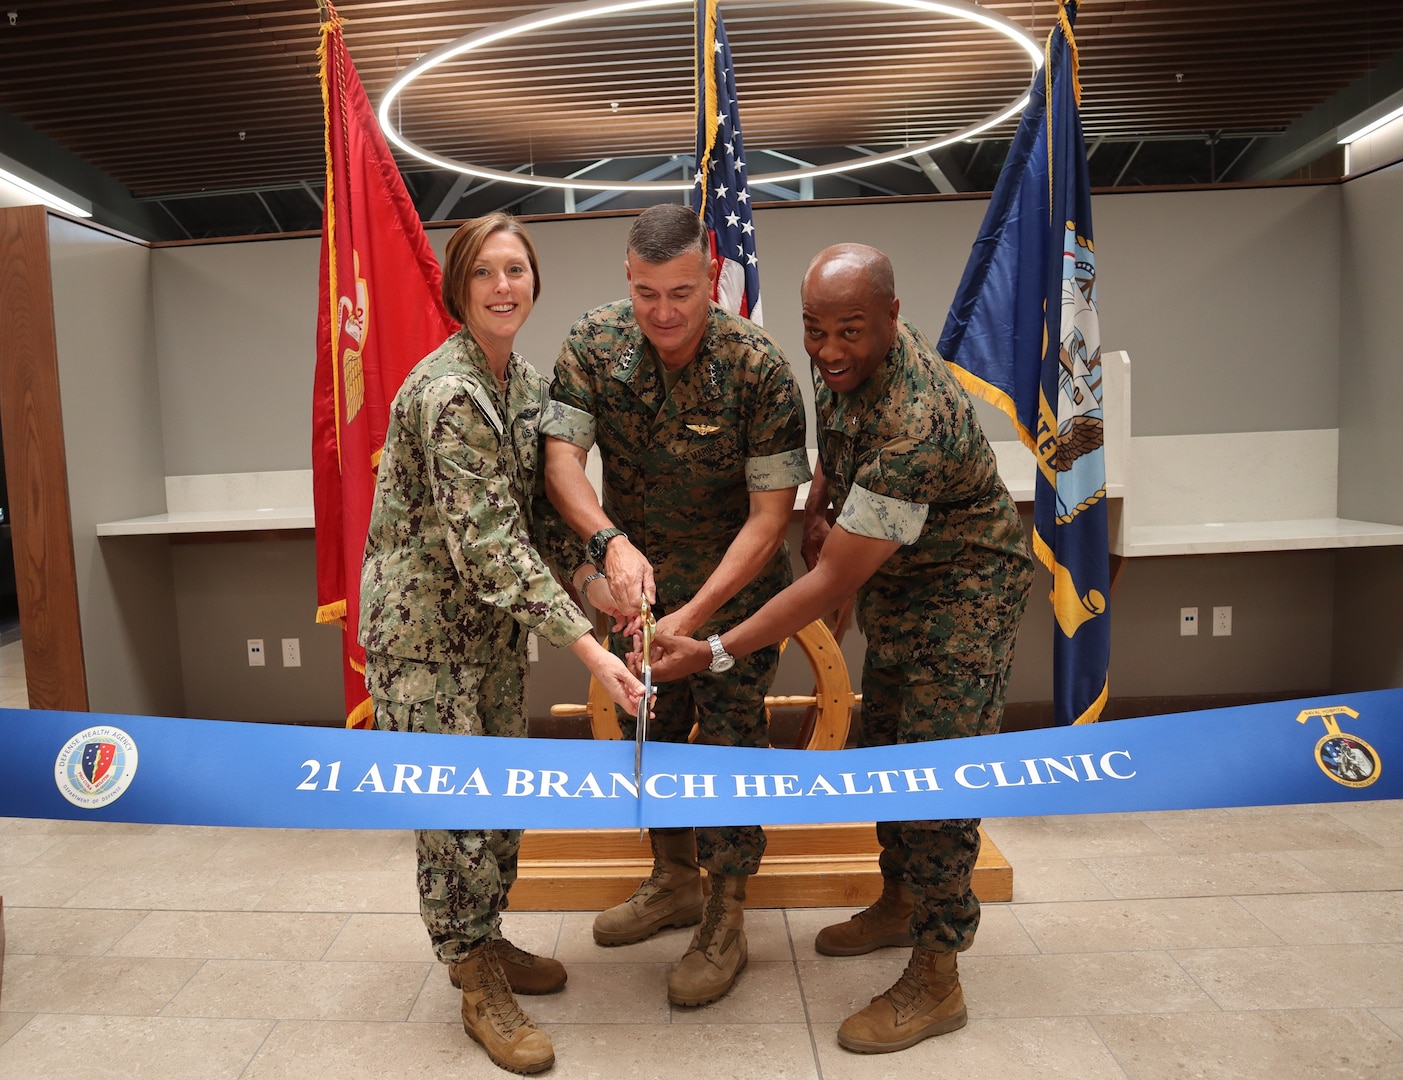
x=181, y=97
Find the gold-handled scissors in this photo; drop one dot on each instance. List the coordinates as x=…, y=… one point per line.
x=640, y=733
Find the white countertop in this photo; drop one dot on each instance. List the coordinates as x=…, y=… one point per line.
x=1238, y=536
x=211, y=521
x=254, y=502
x=226, y=502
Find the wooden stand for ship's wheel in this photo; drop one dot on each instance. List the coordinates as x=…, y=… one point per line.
x=804, y=865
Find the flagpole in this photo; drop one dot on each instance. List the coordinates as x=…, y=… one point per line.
x=705, y=38
x=1023, y=332
x=379, y=312
x=721, y=196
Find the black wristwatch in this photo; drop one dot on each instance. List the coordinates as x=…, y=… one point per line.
x=599, y=544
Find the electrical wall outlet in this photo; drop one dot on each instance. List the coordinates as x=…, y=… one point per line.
x=1188, y=622
x=533, y=648
x=292, y=652
x=1222, y=622
x=255, y=652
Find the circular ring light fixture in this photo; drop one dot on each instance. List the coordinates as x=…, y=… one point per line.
x=568, y=13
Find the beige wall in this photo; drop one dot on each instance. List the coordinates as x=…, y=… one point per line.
x=112, y=429
x=1228, y=302
x=1369, y=584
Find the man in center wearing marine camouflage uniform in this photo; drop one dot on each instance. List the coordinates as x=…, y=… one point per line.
x=701, y=429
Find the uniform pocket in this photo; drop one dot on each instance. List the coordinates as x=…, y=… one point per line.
x=710, y=450
x=404, y=692
x=399, y=680
x=526, y=437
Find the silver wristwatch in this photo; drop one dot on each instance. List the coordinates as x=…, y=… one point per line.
x=721, y=660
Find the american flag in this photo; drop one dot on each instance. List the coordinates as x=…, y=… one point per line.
x=721, y=196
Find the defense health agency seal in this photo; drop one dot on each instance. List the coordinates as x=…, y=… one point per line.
x=96, y=766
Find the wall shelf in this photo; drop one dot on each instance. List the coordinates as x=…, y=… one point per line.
x=226, y=503
x=1244, y=536
x=211, y=521
x=1170, y=495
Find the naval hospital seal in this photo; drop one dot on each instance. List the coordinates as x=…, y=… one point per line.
x=1344, y=758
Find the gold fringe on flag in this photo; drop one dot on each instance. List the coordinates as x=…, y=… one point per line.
x=706, y=68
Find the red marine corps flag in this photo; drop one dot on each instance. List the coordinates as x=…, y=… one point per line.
x=380, y=313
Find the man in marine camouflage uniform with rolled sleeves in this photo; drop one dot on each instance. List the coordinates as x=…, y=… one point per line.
x=929, y=537
x=701, y=431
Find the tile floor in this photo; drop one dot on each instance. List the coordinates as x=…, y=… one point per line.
x=13, y=694
x=1258, y=943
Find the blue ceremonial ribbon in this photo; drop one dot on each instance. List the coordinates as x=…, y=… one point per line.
x=205, y=772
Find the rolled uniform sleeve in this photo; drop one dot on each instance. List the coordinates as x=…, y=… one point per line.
x=487, y=533
x=892, y=491
x=562, y=421
x=881, y=517
x=776, y=455
x=571, y=412
x=778, y=471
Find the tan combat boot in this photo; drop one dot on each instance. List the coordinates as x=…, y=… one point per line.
x=926, y=1000
x=718, y=951
x=671, y=895
x=886, y=922
x=492, y=1017
x=526, y=972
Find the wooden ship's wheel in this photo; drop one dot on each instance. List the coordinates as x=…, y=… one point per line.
x=829, y=707
x=804, y=866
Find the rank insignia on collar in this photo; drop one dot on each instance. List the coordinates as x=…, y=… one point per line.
x=703, y=429
x=713, y=376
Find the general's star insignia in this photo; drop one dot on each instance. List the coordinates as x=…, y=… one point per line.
x=703, y=429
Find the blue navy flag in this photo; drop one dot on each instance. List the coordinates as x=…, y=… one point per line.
x=721, y=195
x=1023, y=333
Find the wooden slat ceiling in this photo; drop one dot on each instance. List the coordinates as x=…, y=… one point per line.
x=172, y=97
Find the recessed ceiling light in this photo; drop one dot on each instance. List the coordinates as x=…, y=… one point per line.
x=43, y=189
x=1374, y=125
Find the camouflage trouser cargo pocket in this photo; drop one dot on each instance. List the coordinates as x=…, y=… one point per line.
x=909, y=703
x=448, y=697
x=404, y=693
x=463, y=876
x=926, y=703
